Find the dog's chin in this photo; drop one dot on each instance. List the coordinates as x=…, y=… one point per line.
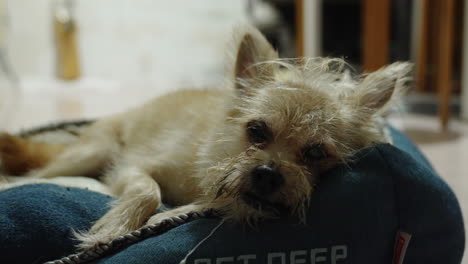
x=263, y=205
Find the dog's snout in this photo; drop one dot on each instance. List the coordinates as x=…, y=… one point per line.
x=266, y=179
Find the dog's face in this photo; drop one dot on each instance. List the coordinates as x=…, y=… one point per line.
x=290, y=122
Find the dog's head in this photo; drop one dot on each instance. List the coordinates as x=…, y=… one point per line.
x=290, y=120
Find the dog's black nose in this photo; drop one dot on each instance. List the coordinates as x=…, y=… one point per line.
x=266, y=179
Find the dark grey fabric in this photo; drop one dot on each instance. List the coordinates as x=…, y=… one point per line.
x=36, y=220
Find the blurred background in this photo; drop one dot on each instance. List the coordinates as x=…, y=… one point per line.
x=67, y=59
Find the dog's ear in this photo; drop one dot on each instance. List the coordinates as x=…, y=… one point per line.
x=378, y=88
x=252, y=49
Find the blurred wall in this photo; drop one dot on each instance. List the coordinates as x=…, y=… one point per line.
x=464, y=73
x=145, y=42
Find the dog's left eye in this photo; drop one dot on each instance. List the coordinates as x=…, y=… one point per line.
x=258, y=132
x=314, y=152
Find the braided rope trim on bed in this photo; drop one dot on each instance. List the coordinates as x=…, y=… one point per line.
x=133, y=237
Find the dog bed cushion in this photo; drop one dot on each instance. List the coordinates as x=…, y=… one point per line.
x=388, y=205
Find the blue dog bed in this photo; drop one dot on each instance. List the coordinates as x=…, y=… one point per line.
x=388, y=206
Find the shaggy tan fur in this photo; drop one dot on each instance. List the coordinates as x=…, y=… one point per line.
x=19, y=156
x=195, y=148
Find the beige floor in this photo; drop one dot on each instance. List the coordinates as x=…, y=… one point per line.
x=447, y=151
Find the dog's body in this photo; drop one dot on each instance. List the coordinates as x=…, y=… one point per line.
x=252, y=150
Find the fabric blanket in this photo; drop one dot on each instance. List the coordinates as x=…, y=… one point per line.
x=355, y=215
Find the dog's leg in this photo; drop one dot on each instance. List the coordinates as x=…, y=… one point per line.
x=19, y=155
x=157, y=218
x=79, y=159
x=139, y=197
x=82, y=157
x=89, y=155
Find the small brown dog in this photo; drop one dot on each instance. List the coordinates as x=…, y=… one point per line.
x=252, y=150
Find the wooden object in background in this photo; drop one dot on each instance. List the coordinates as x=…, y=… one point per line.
x=299, y=16
x=435, y=62
x=444, y=66
x=376, y=33
x=67, y=50
x=422, y=50
x=308, y=28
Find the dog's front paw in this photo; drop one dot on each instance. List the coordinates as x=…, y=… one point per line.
x=183, y=210
x=106, y=229
x=125, y=216
x=90, y=240
x=158, y=218
x=100, y=233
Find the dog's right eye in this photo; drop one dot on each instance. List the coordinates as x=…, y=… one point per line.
x=258, y=132
x=314, y=152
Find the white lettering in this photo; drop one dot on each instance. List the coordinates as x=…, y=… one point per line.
x=225, y=260
x=276, y=255
x=333, y=255
x=246, y=258
x=313, y=255
x=339, y=253
x=298, y=253
x=202, y=261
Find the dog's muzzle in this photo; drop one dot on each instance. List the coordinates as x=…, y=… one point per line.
x=265, y=180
